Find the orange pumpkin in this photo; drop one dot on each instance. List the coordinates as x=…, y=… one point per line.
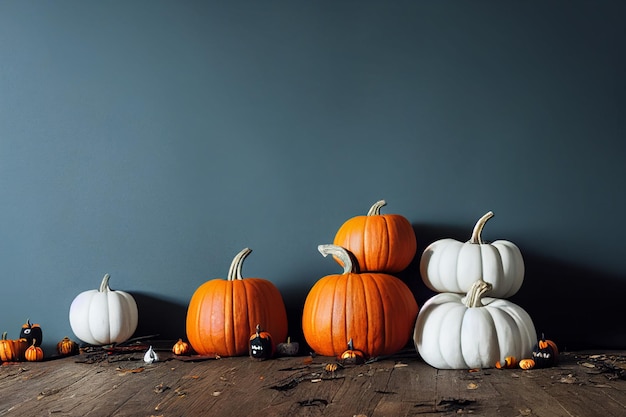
x=380, y=242
x=223, y=313
x=352, y=356
x=34, y=353
x=377, y=311
x=12, y=350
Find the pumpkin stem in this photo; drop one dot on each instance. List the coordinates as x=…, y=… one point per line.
x=4, y=336
x=234, y=272
x=478, y=228
x=375, y=209
x=104, y=285
x=346, y=257
x=476, y=292
x=350, y=344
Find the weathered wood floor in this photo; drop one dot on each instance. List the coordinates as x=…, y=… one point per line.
x=584, y=384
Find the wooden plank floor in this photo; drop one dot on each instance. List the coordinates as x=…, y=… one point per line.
x=583, y=384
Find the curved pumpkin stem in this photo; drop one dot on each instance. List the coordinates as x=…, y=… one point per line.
x=4, y=336
x=347, y=259
x=375, y=209
x=234, y=272
x=478, y=228
x=104, y=285
x=476, y=292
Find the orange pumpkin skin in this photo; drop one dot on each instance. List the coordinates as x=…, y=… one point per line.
x=12, y=350
x=379, y=242
x=377, y=311
x=34, y=353
x=222, y=313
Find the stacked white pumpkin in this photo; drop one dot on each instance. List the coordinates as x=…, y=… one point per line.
x=470, y=323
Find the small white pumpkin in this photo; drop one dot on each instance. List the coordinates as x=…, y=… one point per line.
x=448, y=265
x=454, y=331
x=103, y=316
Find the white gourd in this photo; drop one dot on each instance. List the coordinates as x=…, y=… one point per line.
x=104, y=316
x=448, y=265
x=456, y=331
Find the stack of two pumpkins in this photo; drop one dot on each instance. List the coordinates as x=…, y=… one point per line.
x=470, y=323
x=365, y=311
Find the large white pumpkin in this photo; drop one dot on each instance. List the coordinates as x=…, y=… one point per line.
x=448, y=265
x=454, y=331
x=103, y=316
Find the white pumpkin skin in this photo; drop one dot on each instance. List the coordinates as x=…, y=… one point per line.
x=451, y=335
x=448, y=265
x=103, y=316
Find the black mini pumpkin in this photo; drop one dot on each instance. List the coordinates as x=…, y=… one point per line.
x=545, y=353
x=261, y=345
x=31, y=332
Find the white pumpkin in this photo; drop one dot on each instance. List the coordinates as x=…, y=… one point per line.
x=448, y=265
x=103, y=316
x=454, y=331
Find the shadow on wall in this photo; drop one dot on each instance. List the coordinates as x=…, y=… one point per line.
x=165, y=320
x=575, y=306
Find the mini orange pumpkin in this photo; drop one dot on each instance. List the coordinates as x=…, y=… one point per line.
x=34, y=353
x=379, y=242
x=181, y=348
x=527, y=364
x=67, y=347
x=12, y=350
x=352, y=356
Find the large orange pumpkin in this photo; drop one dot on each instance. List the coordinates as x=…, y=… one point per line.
x=223, y=313
x=380, y=242
x=376, y=310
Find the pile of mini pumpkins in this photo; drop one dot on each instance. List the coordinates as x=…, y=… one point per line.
x=28, y=346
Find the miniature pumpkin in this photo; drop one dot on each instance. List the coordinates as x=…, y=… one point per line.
x=261, y=344
x=352, y=356
x=288, y=348
x=457, y=332
x=12, y=350
x=181, y=348
x=377, y=310
x=67, y=347
x=448, y=265
x=379, y=242
x=31, y=332
x=104, y=316
x=527, y=364
x=34, y=353
x=222, y=313
x=545, y=353
x=508, y=363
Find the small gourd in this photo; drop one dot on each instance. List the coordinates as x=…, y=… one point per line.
x=261, y=345
x=352, y=356
x=527, y=364
x=545, y=353
x=150, y=356
x=288, y=348
x=31, y=332
x=34, y=353
x=181, y=348
x=67, y=347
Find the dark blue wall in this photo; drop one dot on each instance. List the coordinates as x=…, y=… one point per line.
x=153, y=140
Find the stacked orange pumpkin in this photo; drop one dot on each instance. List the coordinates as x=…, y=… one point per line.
x=364, y=307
